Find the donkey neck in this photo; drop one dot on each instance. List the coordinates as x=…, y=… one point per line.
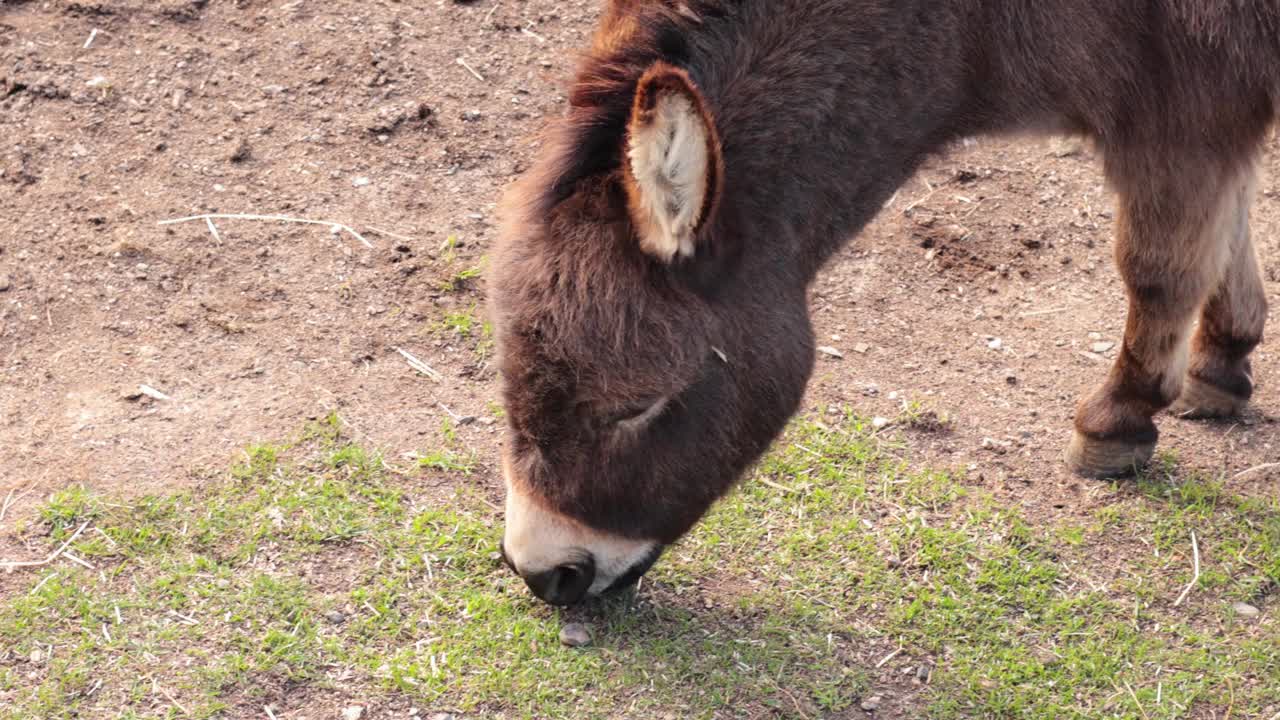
x=824, y=111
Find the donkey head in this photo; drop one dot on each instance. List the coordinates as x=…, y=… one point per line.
x=649, y=351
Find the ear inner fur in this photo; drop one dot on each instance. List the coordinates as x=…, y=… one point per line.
x=667, y=115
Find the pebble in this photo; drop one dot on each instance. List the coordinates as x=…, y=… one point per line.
x=241, y=151
x=335, y=617
x=1102, y=346
x=575, y=635
x=183, y=314
x=861, y=348
x=1062, y=147
x=830, y=351
x=355, y=712
x=361, y=181
x=995, y=343
x=37, y=656
x=879, y=422
x=5, y=283
x=995, y=446
x=1246, y=610
x=442, y=716
x=872, y=703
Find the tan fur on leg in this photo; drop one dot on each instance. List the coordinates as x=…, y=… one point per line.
x=1173, y=245
x=1219, y=383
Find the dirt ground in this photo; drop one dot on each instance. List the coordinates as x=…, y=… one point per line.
x=984, y=292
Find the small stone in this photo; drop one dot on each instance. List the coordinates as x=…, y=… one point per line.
x=361, y=181
x=1010, y=377
x=1246, y=610
x=1066, y=146
x=355, y=712
x=241, y=151
x=861, y=348
x=442, y=716
x=37, y=656
x=995, y=343
x=830, y=351
x=923, y=672
x=995, y=446
x=575, y=635
x=872, y=703
x=1102, y=346
x=5, y=283
x=879, y=422
x=183, y=314
x=471, y=116
x=335, y=616
x=1095, y=336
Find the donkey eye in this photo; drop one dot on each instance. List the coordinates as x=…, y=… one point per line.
x=628, y=412
x=637, y=413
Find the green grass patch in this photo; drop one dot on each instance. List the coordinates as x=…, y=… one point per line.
x=837, y=571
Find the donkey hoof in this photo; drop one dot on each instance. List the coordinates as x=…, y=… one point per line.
x=1105, y=459
x=1201, y=400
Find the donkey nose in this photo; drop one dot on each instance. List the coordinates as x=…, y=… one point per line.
x=564, y=585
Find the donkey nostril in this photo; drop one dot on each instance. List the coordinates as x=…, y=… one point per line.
x=564, y=585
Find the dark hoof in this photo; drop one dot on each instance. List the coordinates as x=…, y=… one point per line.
x=1106, y=459
x=1201, y=400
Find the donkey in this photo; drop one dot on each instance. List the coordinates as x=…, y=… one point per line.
x=648, y=289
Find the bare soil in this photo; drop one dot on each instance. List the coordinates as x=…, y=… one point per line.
x=985, y=291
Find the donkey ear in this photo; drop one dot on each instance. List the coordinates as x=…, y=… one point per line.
x=673, y=162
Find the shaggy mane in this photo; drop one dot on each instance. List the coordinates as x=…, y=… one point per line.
x=588, y=140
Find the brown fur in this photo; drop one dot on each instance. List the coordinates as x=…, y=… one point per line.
x=822, y=108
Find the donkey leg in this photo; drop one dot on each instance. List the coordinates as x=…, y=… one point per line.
x=1171, y=248
x=1219, y=381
